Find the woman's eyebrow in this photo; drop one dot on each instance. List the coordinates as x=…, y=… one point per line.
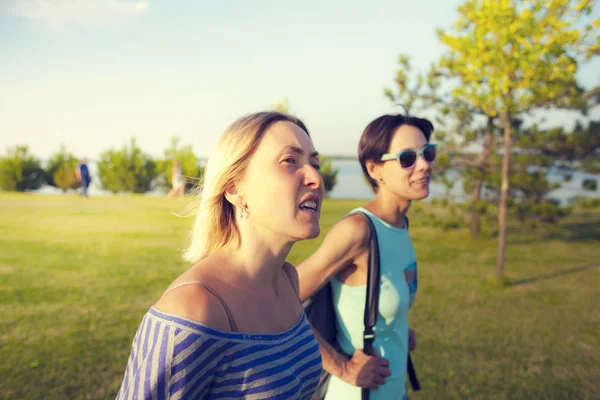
x=299, y=151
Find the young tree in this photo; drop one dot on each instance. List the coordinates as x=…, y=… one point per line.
x=127, y=170
x=189, y=165
x=283, y=105
x=514, y=57
x=60, y=170
x=328, y=173
x=20, y=171
x=529, y=185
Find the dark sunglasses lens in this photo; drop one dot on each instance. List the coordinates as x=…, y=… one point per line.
x=429, y=153
x=408, y=158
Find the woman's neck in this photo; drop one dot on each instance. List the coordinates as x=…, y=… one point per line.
x=259, y=262
x=389, y=208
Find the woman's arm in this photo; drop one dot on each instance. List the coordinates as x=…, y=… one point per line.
x=347, y=240
x=344, y=242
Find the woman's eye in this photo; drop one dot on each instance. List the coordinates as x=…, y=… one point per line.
x=317, y=167
x=289, y=160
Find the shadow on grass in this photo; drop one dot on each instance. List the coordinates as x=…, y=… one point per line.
x=552, y=275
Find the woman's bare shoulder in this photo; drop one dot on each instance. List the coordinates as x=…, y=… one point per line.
x=354, y=229
x=189, y=299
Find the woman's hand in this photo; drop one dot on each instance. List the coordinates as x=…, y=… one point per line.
x=412, y=340
x=366, y=371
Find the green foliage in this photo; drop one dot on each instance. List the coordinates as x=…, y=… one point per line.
x=529, y=187
x=20, y=171
x=446, y=214
x=441, y=169
x=585, y=203
x=546, y=211
x=414, y=91
x=61, y=170
x=537, y=151
x=590, y=184
x=328, y=173
x=127, y=170
x=65, y=178
x=283, y=105
x=576, y=148
x=538, y=43
x=592, y=168
x=189, y=165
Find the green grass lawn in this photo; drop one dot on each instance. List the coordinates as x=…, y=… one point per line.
x=77, y=275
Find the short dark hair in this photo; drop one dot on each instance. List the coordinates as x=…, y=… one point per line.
x=377, y=136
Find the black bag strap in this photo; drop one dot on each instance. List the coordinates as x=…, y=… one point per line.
x=412, y=375
x=372, y=298
x=373, y=281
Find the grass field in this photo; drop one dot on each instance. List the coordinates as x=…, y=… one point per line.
x=77, y=275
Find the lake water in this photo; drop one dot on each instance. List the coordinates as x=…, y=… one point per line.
x=352, y=185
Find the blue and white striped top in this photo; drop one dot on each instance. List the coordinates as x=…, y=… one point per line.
x=177, y=358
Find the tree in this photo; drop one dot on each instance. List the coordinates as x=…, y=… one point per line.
x=513, y=57
x=529, y=186
x=590, y=184
x=189, y=165
x=283, y=105
x=538, y=151
x=20, y=171
x=60, y=170
x=127, y=170
x=575, y=149
x=328, y=173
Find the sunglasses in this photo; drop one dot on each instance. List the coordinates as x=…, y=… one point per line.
x=408, y=158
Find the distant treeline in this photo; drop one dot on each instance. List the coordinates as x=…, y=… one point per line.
x=125, y=170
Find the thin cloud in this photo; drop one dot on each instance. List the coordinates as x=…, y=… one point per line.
x=57, y=13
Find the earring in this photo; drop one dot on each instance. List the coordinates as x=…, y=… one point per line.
x=380, y=181
x=242, y=213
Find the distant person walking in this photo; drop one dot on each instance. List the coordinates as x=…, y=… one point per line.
x=83, y=176
x=177, y=182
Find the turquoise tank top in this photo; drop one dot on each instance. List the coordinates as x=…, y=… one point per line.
x=397, y=289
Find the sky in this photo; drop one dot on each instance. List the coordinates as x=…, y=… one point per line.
x=91, y=74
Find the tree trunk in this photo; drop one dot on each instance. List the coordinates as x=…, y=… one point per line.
x=481, y=166
x=474, y=225
x=503, y=198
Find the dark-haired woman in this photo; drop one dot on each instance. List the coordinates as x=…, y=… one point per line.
x=396, y=158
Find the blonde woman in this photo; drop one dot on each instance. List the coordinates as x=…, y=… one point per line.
x=232, y=325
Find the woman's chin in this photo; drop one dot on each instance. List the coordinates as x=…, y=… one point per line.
x=311, y=231
x=421, y=194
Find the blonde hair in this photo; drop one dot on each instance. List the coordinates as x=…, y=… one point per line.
x=215, y=225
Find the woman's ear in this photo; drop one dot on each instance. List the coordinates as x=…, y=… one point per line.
x=233, y=195
x=374, y=170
